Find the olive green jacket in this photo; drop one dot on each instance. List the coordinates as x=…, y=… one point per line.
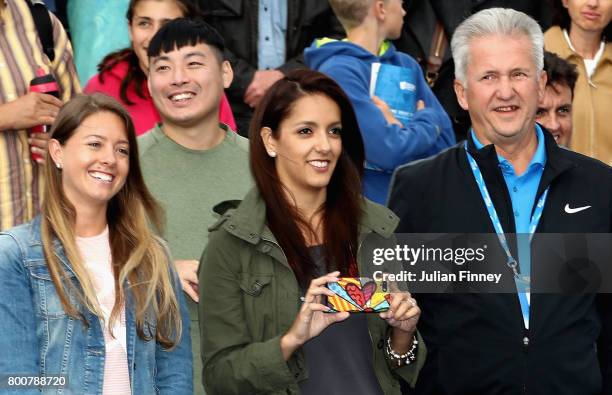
x=249, y=297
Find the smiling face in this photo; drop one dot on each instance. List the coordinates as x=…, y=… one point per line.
x=503, y=88
x=555, y=112
x=94, y=160
x=187, y=84
x=308, y=145
x=148, y=17
x=589, y=15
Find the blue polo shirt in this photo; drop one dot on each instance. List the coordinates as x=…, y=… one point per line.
x=523, y=190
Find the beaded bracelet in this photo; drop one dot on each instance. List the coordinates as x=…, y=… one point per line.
x=402, y=359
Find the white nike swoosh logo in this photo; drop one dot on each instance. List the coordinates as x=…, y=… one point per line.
x=575, y=210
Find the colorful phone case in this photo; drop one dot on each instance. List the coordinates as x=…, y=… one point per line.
x=358, y=295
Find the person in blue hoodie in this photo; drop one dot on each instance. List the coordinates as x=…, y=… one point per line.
x=389, y=142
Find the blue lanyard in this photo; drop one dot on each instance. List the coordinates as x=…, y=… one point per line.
x=533, y=224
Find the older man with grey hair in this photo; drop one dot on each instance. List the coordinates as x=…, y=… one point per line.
x=508, y=177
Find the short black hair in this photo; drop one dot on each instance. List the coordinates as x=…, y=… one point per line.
x=182, y=32
x=560, y=71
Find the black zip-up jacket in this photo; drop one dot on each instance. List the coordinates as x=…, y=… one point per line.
x=237, y=22
x=477, y=342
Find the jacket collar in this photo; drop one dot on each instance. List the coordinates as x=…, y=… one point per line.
x=246, y=219
x=35, y=240
x=386, y=50
x=562, y=48
x=234, y=5
x=556, y=161
x=34, y=236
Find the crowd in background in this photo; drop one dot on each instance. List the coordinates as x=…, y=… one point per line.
x=96, y=34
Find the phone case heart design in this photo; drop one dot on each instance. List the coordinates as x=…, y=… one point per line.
x=358, y=295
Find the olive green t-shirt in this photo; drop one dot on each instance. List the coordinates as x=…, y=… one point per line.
x=188, y=184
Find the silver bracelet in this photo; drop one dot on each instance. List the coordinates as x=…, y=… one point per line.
x=402, y=359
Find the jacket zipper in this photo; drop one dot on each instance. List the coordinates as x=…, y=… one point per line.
x=372, y=342
x=367, y=321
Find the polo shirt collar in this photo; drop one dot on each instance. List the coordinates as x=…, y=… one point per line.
x=539, y=158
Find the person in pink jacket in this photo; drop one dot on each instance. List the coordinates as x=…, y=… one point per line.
x=123, y=74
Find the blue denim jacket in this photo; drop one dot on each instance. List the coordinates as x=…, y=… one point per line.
x=37, y=338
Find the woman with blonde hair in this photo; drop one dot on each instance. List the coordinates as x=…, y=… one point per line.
x=88, y=299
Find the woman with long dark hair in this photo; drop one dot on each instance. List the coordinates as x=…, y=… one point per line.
x=264, y=326
x=89, y=299
x=123, y=74
x=581, y=35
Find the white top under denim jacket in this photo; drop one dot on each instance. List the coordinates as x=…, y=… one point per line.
x=37, y=338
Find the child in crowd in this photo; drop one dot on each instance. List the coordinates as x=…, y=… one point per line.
x=389, y=142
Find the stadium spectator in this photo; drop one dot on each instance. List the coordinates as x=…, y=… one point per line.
x=510, y=177
x=300, y=228
x=191, y=161
x=580, y=35
x=389, y=142
x=87, y=294
x=420, y=38
x=555, y=108
x=265, y=39
x=21, y=57
x=123, y=74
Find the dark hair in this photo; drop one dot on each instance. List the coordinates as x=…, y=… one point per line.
x=559, y=71
x=182, y=32
x=135, y=76
x=342, y=210
x=561, y=18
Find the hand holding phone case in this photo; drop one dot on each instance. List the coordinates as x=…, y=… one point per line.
x=358, y=295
